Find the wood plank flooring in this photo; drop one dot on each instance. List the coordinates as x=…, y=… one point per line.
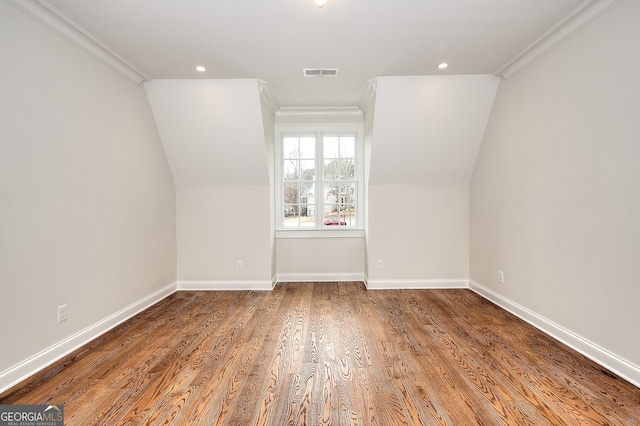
x=329, y=354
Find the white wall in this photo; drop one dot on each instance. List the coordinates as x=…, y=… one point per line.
x=268, y=125
x=214, y=135
x=87, y=204
x=420, y=232
x=428, y=129
x=320, y=259
x=212, y=130
x=219, y=225
x=369, y=109
x=422, y=145
x=555, y=194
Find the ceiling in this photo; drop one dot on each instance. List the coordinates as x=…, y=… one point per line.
x=273, y=40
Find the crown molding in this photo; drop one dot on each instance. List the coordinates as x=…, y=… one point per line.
x=305, y=116
x=333, y=111
x=579, y=18
x=369, y=94
x=50, y=17
x=265, y=93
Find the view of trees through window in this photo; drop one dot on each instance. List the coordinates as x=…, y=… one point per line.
x=319, y=181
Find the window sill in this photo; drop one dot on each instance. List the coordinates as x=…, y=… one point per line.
x=320, y=233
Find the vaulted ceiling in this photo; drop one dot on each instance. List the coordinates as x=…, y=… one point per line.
x=274, y=40
x=429, y=122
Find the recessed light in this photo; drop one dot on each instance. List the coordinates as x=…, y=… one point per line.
x=443, y=65
x=321, y=3
x=200, y=68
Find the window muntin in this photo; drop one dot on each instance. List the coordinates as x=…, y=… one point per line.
x=339, y=180
x=299, y=181
x=319, y=174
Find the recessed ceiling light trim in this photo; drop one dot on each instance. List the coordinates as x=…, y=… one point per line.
x=320, y=72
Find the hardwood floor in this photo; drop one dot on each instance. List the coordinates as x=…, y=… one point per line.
x=329, y=353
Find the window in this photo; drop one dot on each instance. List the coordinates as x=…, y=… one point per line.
x=319, y=172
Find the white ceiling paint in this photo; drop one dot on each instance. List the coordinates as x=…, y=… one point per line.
x=428, y=123
x=275, y=40
x=428, y=129
x=212, y=130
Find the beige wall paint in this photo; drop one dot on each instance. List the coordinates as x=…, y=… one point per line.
x=218, y=135
x=555, y=194
x=369, y=116
x=268, y=124
x=219, y=225
x=422, y=146
x=320, y=259
x=428, y=129
x=419, y=231
x=87, y=202
x=212, y=130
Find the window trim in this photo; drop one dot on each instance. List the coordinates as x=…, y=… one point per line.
x=318, y=231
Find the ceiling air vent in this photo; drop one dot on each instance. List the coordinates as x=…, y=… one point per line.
x=320, y=72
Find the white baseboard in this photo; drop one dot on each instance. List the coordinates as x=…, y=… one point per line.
x=225, y=285
x=597, y=354
x=319, y=278
x=415, y=284
x=32, y=365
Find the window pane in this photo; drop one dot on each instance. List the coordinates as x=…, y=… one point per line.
x=299, y=215
x=333, y=219
x=290, y=148
x=331, y=192
x=308, y=147
x=339, y=215
x=339, y=204
x=347, y=169
x=348, y=214
x=291, y=221
x=347, y=147
x=307, y=193
x=308, y=171
x=308, y=215
x=331, y=146
x=347, y=193
x=290, y=210
x=330, y=204
x=290, y=193
x=291, y=170
x=331, y=169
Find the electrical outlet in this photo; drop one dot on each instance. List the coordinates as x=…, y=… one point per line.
x=239, y=265
x=500, y=277
x=62, y=313
x=380, y=264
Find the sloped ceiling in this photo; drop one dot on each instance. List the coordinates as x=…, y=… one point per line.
x=212, y=130
x=428, y=129
x=275, y=40
x=428, y=122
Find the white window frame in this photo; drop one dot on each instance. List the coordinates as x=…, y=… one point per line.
x=318, y=130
